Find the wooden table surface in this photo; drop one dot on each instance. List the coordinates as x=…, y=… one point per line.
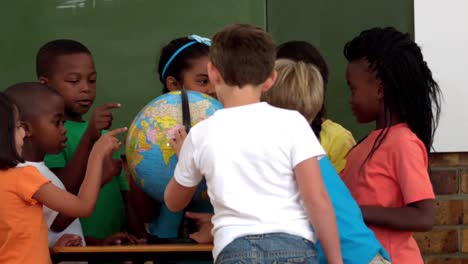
x=160, y=253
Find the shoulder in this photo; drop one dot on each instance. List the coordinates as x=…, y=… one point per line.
x=285, y=116
x=401, y=143
x=21, y=170
x=332, y=129
x=334, y=136
x=73, y=125
x=46, y=172
x=402, y=135
x=26, y=175
x=202, y=127
x=76, y=128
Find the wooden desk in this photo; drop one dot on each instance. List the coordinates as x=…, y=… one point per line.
x=162, y=253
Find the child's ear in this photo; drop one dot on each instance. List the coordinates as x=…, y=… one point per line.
x=43, y=80
x=380, y=91
x=213, y=74
x=27, y=129
x=172, y=84
x=270, y=81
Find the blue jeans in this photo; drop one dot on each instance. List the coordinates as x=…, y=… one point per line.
x=274, y=248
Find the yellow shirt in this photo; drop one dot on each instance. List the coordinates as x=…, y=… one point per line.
x=337, y=141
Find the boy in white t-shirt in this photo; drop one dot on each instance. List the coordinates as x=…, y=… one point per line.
x=259, y=162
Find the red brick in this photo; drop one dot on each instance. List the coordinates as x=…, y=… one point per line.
x=448, y=159
x=464, y=180
x=465, y=212
x=462, y=259
x=444, y=181
x=449, y=212
x=443, y=261
x=465, y=241
x=438, y=241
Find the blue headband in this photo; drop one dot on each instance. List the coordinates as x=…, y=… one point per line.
x=196, y=39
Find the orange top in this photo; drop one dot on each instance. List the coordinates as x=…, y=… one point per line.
x=23, y=231
x=395, y=176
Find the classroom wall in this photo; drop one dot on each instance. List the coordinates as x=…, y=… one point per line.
x=126, y=36
x=441, y=30
x=329, y=24
x=447, y=242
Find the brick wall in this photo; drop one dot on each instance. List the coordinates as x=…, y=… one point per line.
x=447, y=243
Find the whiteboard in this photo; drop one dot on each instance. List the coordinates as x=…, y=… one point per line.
x=441, y=29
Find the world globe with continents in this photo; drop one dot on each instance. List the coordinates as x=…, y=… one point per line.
x=151, y=159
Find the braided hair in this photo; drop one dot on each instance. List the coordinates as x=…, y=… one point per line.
x=410, y=92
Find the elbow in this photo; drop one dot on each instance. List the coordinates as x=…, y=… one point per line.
x=425, y=224
x=173, y=208
x=171, y=204
x=177, y=197
x=87, y=211
x=426, y=217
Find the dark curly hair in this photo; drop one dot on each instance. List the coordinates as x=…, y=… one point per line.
x=181, y=62
x=410, y=92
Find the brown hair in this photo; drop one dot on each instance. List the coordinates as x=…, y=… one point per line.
x=9, y=156
x=299, y=86
x=244, y=54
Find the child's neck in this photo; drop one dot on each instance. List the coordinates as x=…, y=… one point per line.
x=73, y=117
x=235, y=96
x=390, y=120
x=31, y=153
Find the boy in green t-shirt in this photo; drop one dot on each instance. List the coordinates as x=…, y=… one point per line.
x=68, y=67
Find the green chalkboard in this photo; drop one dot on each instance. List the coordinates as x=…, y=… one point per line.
x=125, y=37
x=329, y=24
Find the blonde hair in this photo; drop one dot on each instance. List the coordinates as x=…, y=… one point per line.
x=299, y=87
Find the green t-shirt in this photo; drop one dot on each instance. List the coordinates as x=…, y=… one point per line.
x=109, y=215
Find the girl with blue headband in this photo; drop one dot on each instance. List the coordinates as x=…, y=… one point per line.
x=183, y=64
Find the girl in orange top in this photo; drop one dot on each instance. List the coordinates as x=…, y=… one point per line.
x=23, y=232
x=387, y=172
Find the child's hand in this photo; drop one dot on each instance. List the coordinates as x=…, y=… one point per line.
x=107, y=145
x=203, y=222
x=100, y=119
x=178, y=139
x=111, y=168
x=69, y=240
x=122, y=238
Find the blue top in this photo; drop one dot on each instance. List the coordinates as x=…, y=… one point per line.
x=358, y=243
x=166, y=223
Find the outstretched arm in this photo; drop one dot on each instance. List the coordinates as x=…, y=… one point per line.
x=112, y=168
x=83, y=204
x=74, y=171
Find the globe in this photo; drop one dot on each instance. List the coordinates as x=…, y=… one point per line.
x=151, y=159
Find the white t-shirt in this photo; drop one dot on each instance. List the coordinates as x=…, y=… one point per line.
x=247, y=155
x=49, y=214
